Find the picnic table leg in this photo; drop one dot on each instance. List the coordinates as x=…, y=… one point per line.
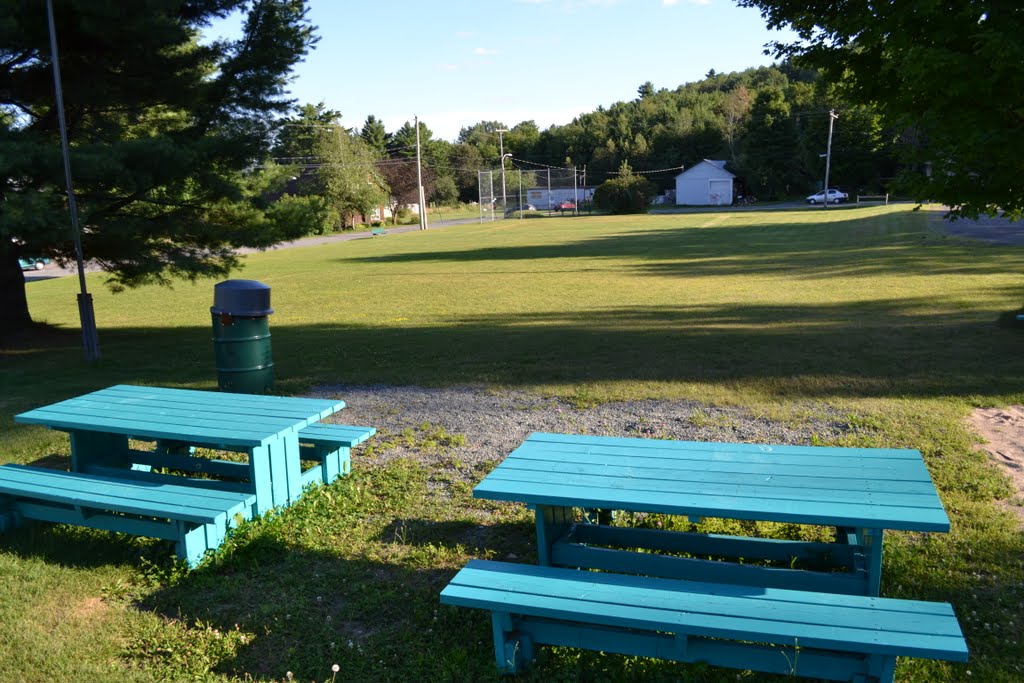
x=871, y=539
x=512, y=650
x=260, y=478
x=868, y=563
x=98, y=448
x=552, y=524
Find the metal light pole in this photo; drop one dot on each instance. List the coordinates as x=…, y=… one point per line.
x=90, y=340
x=832, y=116
x=501, y=150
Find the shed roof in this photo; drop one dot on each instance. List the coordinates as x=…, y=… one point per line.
x=718, y=164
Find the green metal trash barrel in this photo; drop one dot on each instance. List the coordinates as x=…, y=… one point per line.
x=241, y=336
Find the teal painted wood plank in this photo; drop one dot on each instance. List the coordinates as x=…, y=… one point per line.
x=889, y=468
x=768, y=491
x=573, y=555
x=694, y=473
x=220, y=468
x=846, y=477
x=633, y=442
x=150, y=431
x=322, y=407
x=122, y=495
x=279, y=480
x=228, y=490
x=156, y=418
x=832, y=555
x=710, y=625
x=183, y=409
x=779, y=659
x=293, y=466
x=261, y=480
x=177, y=413
x=344, y=435
x=732, y=507
x=668, y=587
x=875, y=625
x=43, y=512
x=107, y=500
x=130, y=491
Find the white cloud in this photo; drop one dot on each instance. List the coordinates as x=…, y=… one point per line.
x=447, y=67
x=485, y=51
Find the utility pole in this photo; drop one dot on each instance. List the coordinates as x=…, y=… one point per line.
x=575, y=190
x=90, y=340
x=832, y=116
x=419, y=177
x=501, y=150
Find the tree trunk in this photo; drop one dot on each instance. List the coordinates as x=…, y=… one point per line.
x=13, y=302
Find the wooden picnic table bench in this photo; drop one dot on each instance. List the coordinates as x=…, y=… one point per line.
x=756, y=603
x=275, y=434
x=800, y=633
x=860, y=492
x=196, y=519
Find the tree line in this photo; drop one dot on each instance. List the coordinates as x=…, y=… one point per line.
x=769, y=123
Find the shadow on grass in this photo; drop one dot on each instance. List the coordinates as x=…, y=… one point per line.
x=311, y=608
x=858, y=246
x=515, y=539
x=864, y=349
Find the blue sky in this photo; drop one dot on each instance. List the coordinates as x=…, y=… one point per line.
x=456, y=62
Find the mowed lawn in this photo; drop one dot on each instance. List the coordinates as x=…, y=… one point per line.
x=868, y=312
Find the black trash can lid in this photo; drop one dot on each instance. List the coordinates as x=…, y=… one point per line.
x=241, y=297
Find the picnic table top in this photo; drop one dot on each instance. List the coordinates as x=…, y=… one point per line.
x=878, y=488
x=202, y=417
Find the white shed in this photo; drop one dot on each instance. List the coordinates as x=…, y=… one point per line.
x=705, y=184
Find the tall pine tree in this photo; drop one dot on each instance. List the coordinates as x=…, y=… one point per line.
x=162, y=127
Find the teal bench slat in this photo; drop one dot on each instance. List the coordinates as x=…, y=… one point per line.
x=335, y=434
x=330, y=444
x=377, y=232
x=822, y=635
x=197, y=519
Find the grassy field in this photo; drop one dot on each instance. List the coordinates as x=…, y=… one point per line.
x=865, y=311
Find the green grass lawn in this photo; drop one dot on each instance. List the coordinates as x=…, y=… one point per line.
x=864, y=311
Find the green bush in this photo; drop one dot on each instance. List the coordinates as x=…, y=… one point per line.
x=629, y=193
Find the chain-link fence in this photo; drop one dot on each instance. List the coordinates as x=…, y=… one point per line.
x=525, y=186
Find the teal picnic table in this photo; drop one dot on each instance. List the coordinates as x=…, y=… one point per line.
x=266, y=429
x=790, y=607
x=135, y=467
x=860, y=492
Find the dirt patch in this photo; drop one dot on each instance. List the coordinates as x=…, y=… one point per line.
x=1003, y=431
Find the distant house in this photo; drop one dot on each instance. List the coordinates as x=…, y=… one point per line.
x=705, y=184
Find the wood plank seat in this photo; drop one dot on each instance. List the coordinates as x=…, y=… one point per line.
x=196, y=519
x=818, y=635
x=330, y=445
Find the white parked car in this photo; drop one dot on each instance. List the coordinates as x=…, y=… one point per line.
x=834, y=197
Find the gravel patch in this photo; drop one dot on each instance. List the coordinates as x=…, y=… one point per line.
x=493, y=424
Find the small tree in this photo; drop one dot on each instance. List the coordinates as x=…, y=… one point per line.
x=629, y=193
x=402, y=179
